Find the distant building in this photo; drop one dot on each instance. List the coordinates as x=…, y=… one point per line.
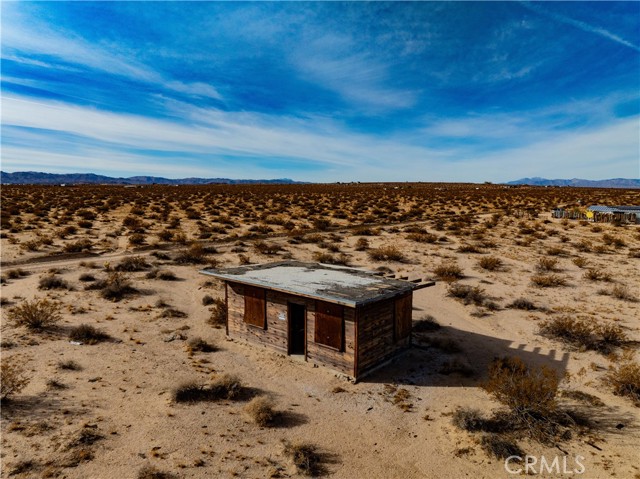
x=621, y=214
x=347, y=319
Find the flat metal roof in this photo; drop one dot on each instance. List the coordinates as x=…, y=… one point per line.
x=337, y=284
x=614, y=209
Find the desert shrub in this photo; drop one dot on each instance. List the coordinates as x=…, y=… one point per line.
x=547, y=264
x=470, y=295
x=200, y=345
x=328, y=258
x=500, y=446
x=422, y=237
x=35, y=315
x=116, y=287
x=580, y=262
x=78, y=246
x=218, y=317
x=32, y=245
x=194, y=254
x=448, y=271
x=583, y=334
x=16, y=273
x=151, y=472
x=305, y=457
x=162, y=274
x=51, y=281
x=132, y=263
x=625, y=380
x=362, y=244
x=621, y=291
x=13, y=378
x=137, y=239
x=69, y=365
x=426, y=324
x=263, y=247
x=548, y=280
x=596, y=274
x=87, y=277
x=165, y=235
x=556, y=251
x=87, y=334
x=261, y=411
x=386, y=253
x=173, y=313
x=491, y=263
x=223, y=387
x=207, y=300
x=522, y=303
x=469, y=248
x=529, y=392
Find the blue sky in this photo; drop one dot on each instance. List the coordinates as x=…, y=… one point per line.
x=420, y=91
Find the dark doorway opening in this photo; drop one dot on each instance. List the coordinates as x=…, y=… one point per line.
x=297, y=328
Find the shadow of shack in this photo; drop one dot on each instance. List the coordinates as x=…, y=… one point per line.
x=343, y=318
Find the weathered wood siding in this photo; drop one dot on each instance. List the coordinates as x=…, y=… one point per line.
x=376, y=342
x=275, y=335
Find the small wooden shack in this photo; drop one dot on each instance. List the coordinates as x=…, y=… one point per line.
x=344, y=318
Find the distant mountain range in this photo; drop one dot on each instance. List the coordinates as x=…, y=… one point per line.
x=611, y=183
x=36, y=178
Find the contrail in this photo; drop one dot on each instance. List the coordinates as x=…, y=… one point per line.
x=581, y=25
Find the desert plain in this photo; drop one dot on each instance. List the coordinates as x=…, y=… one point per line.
x=96, y=390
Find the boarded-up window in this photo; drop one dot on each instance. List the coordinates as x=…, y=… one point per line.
x=254, y=306
x=402, y=321
x=328, y=330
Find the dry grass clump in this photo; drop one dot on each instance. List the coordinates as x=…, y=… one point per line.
x=69, y=365
x=35, y=315
x=78, y=246
x=194, y=254
x=386, y=253
x=625, y=380
x=173, y=313
x=261, y=411
x=86, y=277
x=621, y=291
x=596, y=274
x=580, y=262
x=548, y=280
x=545, y=264
x=161, y=274
x=422, y=237
x=12, y=376
x=151, y=472
x=469, y=248
x=200, y=345
x=305, y=457
x=87, y=334
x=471, y=295
x=523, y=304
x=115, y=287
x=269, y=249
x=16, y=273
x=51, y=281
x=583, y=334
x=491, y=263
x=224, y=387
x=426, y=324
x=448, y=271
x=328, y=258
x=218, y=317
x=132, y=263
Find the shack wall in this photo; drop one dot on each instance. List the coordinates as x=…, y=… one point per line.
x=275, y=335
x=376, y=335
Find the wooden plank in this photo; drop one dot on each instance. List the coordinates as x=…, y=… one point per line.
x=329, y=325
x=255, y=306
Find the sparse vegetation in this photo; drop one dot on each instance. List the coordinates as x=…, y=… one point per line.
x=87, y=334
x=491, y=263
x=584, y=334
x=448, y=271
x=218, y=317
x=625, y=380
x=36, y=315
x=261, y=411
x=548, y=280
x=13, y=377
x=386, y=253
x=225, y=386
x=52, y=281
x=198, y=344
x=305, y=457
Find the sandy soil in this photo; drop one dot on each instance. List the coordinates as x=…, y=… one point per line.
x=122, y=393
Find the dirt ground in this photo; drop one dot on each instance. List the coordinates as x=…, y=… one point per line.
x=112, y=414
